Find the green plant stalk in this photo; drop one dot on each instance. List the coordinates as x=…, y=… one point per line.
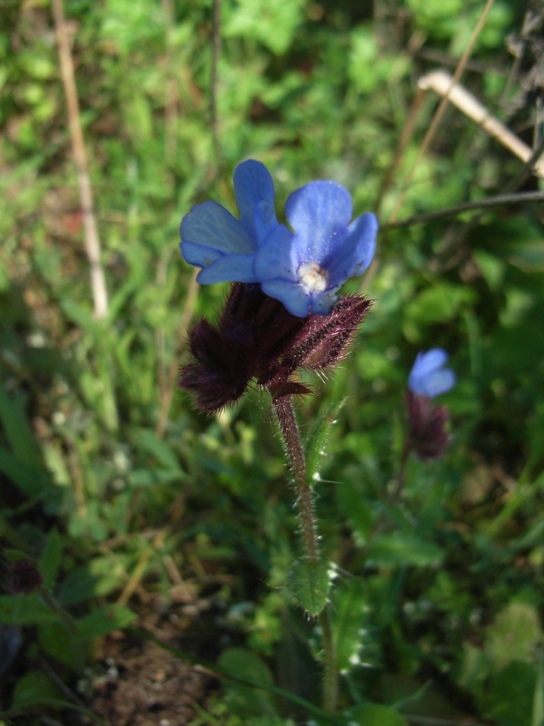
x=285, y=414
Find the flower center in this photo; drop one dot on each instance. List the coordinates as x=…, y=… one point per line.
x=312, y=277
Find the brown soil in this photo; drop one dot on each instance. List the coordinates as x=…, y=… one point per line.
x=148, y=686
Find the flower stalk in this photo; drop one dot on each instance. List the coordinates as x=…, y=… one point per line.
x=285, y=414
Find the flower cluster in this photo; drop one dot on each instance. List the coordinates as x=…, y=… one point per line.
x=283, y=312
x=427, y=423
x=302, y=267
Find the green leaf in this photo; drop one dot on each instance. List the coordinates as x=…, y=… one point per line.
x=310, y=583
x=438, y=304
x=98, y=577
x=356, y=509
x=316, y=440
x=60, y=643
x=509, y=695
x=243, y=663
x=350, y=605
x=373, y=714
x=33, y=481
x=105, y=619
x=51, y=558
x=25, y=610
x=147, y=440
x=18, y=431
x=513, y=635
x=537, y=718
x=33, y=688
x=400, y=549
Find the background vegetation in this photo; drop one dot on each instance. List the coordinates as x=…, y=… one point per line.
x=135, y=509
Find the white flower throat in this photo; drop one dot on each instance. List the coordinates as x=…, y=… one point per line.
x=312, y=277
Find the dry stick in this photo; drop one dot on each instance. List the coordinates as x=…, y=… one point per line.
x=216, y=52
x=442, y=107
x=92, y=242
x=497, y=201
x=171, y=105
x=167, y=392
x=442, y=83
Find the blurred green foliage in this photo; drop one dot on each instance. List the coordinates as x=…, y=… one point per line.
x=438, y=592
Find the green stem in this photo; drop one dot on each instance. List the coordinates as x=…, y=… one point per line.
x=330, y=669
x=285, y=414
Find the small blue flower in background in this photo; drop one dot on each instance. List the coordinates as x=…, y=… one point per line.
x=304, y=270
x=428, y=376
x=222, y=245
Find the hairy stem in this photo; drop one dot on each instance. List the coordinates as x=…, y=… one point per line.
x=330, y=669
x=285, y=413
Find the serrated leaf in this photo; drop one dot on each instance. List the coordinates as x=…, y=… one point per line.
x=310, y=583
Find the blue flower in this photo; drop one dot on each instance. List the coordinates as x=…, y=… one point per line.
x=304, y=270
x=223, y=246
x=428, y=376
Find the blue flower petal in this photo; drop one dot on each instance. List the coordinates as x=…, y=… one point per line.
x=428, y=376
x=254, y=192
x=290, y=294
x=211, y=226
x=228, y=268
x=276, y=259
x=319, y=213
x=355, y=253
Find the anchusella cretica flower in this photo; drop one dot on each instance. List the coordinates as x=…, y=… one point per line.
x=427, y=422
x=305, y=270
x=429, y=376
x=304, y=267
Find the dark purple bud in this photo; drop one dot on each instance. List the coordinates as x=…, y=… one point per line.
x=427, y=426
x=24, y=577
x=257, y=338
